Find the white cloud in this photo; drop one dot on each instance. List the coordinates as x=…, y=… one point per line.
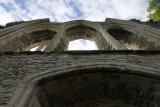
x=56, y=10
x=121, y=9
x=10, y=12
x=5, y=17
x=82, y=45
x=65, y=10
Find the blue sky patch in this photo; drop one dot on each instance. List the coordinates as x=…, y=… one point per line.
x=76, y=8
x=21, y=3
x=7, y=7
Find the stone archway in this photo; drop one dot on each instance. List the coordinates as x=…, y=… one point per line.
x=90, y=86
x=145, y=37
x=83, y=29
x=20, y=37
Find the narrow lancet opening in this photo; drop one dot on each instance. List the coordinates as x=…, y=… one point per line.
x=38, y=48
x=34, y=48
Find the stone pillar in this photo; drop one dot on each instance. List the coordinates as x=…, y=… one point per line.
x=58, y=42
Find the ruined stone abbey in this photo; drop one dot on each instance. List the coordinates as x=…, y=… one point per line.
x=123, y=72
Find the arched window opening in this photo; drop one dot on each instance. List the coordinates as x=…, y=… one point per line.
x=124, y=37
x=82, y=44
x=42, y=35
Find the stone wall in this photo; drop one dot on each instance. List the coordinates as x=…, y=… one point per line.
x=15, y=67
x=21, y=36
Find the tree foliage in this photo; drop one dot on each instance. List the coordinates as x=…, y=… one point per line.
x=154, y=9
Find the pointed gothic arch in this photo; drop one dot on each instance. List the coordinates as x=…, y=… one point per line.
x=90, y=30
x=143, y=36
x=21, y=37
x=96, y=84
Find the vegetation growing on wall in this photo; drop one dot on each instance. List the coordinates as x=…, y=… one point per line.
x=154, y=10
x=151, y=23
x=13, y=23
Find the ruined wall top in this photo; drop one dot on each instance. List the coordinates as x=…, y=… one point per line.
x=112, y=34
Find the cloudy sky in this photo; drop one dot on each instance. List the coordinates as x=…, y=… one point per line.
x=65, y=10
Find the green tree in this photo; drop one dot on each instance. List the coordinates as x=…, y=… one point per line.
x=154, y=10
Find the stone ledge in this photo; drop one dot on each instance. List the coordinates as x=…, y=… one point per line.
x=141, y=52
